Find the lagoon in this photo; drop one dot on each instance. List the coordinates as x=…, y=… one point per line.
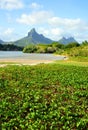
x=28, y=56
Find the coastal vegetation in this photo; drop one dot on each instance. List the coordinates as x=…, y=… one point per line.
x=74, y=50
x=54, y=47
x=45, y=97
x=10, y=47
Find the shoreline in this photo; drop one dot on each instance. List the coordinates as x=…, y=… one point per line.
x=20, y=61
x=4, y=62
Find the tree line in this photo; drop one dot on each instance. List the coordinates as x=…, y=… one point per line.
x=10, y=47
x=73, y=49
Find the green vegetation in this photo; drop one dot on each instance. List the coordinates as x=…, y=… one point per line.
x=43, y=48
x=79, y=53
x=30, y=49
x=10, y=47
x=82, y=50
x=55, y=47
x=44, y=97
x=74, y=51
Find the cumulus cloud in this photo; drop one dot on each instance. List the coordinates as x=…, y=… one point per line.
x=56, y=31
x=11, y=4
x=68, y=24
x=45, y=17
x=35, y=5
x=34, y=18
x=53, y=33
x=65, y=22
x=7, y=34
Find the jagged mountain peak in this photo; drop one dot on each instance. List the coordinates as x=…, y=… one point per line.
x=33, y=38
x=64, y=40
x=32, y=32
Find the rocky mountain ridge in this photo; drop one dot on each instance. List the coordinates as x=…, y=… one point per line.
x=34, y=38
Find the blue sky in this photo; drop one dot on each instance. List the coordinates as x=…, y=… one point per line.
x=52, y=18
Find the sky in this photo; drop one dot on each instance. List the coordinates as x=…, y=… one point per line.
x=52, y=18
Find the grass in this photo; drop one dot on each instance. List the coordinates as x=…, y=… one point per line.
x=9, y=62
x=72, y=62
x=79, y=59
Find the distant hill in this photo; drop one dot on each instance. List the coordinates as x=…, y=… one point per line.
x=1, y=41
x=64, y=40
x=33, y=38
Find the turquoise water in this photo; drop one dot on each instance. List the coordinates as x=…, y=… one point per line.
x=32, y=56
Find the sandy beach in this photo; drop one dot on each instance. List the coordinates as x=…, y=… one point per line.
x=4, y=62
x=17, y=57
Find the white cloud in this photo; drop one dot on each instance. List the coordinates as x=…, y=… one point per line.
x=68, y=24
x=81, y=36
x=7, y=34
x=44, y=31
x=11, y=4
x=57, y=31
x=45, y=17
x=34, y=18
x=57, y=21
x=8, y=31
x=34, y=5
x=52, y=33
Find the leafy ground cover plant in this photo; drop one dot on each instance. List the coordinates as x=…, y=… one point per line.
x=44, y=97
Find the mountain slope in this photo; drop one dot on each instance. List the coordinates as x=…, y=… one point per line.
x=64, y=40
x=1, y=41
x=33, y=38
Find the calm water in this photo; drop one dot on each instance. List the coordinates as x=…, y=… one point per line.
x=20, y=55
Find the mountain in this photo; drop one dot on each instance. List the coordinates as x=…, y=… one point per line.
x=33, y=38
x=1, y=41
x=64, y=40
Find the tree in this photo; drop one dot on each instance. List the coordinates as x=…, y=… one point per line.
x=73, y=44
x=85, y=42
x=58, y=45
x=30, y=49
